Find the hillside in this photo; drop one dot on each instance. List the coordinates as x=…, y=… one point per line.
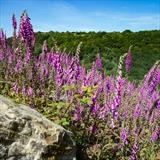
x=145, y=50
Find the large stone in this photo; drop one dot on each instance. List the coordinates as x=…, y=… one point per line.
x=27, y=135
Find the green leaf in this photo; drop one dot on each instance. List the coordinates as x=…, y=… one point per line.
x=50, y=104
x=86, y=100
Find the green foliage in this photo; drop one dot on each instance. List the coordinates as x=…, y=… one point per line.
x=149, y=151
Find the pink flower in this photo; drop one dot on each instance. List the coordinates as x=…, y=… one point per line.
x=124, y=136
x=155, y=135
x=18, y=67
x=158, y=76
x=15, y=87
x=27, y=56
x=29, y=91
x=44, y=72
x=93, y=129
x=26, y=31
x=95, y=108
x=137, y=111
x=134, y=151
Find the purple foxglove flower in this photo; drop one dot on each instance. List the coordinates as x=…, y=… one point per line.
x=124, y=136
x=27, y=56
x=15, y=88
x=82, y=73
x=93, y=129
x=76, y=117
x=50, y=57
x=29, y=29
x=44, y=71
x=95, y=108
x=38, y=62
x=158, y=76
x=59, y=79
x=128, y=60
x=77, y=71
x=155, y=135
x=117, y=99
x=18, y=67
x=26, y=31
x=120, y=83
x=150, y=75
x=99, y=62
x=153, y=84
x=22, y=28
x=58, y=68
x=134, y=151
x=158, y=104
x=14, y=22
x=103, y=111
x=29, y=91
x=137, y=111
x=2, y=39
x=125, y=115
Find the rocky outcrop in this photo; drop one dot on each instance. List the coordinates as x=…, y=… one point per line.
x=27, y=135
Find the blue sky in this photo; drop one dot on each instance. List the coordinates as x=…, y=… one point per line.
x=83, y=15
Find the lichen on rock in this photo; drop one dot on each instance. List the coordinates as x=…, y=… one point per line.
x=25, y=134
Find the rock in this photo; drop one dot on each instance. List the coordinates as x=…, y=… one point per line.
x=27, y=135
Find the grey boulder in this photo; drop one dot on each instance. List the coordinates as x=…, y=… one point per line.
x=25, y=134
